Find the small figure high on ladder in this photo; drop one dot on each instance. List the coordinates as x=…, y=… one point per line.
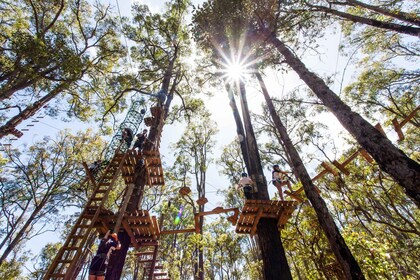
x=100, y=261
x=280, y=180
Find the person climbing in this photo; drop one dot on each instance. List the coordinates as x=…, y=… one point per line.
x=280, y=180
x=245, y=183
x=127, y=136
x=141, y=138
x=100, y=261
x=95, y=166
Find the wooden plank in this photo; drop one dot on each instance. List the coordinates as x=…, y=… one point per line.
x=378, y=126
x=397, y=128
x=320, y=175
x=329, y=168
x=410, y=116
x=366, y=155
x=89, y=175
x=350, y=158
x=257, y=219
x=341, y=167
x=127, y=228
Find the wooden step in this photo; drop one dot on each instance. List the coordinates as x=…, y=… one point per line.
x=74, y=248
x=59, y=275
x=65, y=261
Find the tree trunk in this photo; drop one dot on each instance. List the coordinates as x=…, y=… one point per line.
x=390, y=159
x=272, y=251
x=117, y=260
x=409, y=30
x=239, y=128
x=338, y=245
x=21, y=232
x=409, y=18
x=114, y=271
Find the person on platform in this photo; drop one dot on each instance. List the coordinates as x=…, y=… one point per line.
x=280, y=180
x=100, y=261
x=141, y=138
x=127, y=136
x=246, y=184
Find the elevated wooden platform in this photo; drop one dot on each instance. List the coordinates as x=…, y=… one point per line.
x=254, y=210
x=142, y=228
x=154, y=170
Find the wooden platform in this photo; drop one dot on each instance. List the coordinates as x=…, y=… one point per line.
x=254, y=210
x=154, y=170
x=142, y=228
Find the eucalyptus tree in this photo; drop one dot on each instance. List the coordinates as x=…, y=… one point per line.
x=262, y=28
x=394, y=16
x=160, y=42
x=39, y=182
x=55, y=50
x=193, y=152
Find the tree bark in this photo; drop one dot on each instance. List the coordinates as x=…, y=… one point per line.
x=409, y=30
x=390, y=159
x=272, y=251
x=239, y=128
x=338, y=245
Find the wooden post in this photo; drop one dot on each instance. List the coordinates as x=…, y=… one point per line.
x=123, y=207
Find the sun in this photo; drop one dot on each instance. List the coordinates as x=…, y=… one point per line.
x=235, y=71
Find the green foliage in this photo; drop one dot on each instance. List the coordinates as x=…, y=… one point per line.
x=11, y=270
x=51, y=48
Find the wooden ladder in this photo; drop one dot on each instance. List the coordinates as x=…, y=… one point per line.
x=68, y=257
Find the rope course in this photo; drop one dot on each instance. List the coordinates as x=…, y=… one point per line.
x=143, y=228
x=327, y=168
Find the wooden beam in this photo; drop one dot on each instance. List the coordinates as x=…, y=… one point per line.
x=410, y=116
x=123, y=207
x=366, y=155
x=350, y=158
x=378, y=126
x=341, y=167
x=397, y=128
x=294, y=195
x=329, y=168
x=89, y=175
x=320, y=174
x=257, y=219
x=131, y=234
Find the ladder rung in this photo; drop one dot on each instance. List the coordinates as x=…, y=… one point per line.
x=77, y=236
x=100, y=191
x=64, y=261
x=83, y=226
x=96, y=198
x=72, y=248
x=57, y=275
x=105, y=184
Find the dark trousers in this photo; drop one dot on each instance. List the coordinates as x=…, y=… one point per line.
x=248, y=192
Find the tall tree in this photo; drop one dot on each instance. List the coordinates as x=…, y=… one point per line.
x=193, y=150
x=258, y=21
x=341, y=251
x=40, y=182
x=51, y=49
x=162, y=40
